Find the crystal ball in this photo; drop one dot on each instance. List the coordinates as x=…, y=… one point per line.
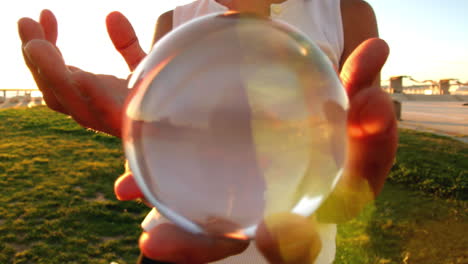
x=233, y=118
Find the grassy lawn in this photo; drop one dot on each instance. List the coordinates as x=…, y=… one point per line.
x=404, y=226
x=57, y=203
x=422, y=214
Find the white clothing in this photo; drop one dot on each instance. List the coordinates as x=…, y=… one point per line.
x=321, y=21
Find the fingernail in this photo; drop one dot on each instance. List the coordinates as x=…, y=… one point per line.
x=29, y=55
x=152, y=220
x=26, y=52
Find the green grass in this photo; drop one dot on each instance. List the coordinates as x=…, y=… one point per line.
x=431, y=163
x=405, y=224
x=421, y=215
x=57, y=203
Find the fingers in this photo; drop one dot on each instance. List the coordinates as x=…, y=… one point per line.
x=363, y=66
x=45, y=29
x=169, y=243
x=124, y=39
x=372, y=145
x=55, y=74
x=126, y=189
x=49, y=25
x=30, y=52
x=371, y=114
x=288, y=239
x=372, y=129
x=372, y=137
x=46, y=58
x=31, y=30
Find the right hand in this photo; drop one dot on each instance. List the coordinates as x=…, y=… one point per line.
x=95, y=101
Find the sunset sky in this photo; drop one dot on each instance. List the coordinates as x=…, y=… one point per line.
x=428, y=38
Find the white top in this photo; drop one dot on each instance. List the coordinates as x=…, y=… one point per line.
x=320, y=20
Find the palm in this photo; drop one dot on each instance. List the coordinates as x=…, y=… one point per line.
x=112, y=83
x=104, y=97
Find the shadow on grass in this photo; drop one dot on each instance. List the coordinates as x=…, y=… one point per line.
x=413, y=227
x=421, y=216
x=405, y=226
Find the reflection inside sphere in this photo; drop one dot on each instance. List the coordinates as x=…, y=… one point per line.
x=234, y=118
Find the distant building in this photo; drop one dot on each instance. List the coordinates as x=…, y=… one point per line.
x=396, y=85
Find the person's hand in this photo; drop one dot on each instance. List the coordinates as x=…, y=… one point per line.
x=372, y=136
x=94, y=100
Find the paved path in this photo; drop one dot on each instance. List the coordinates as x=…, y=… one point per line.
x=447, y=118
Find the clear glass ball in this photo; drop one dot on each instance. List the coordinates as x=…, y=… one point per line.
x=232, y=118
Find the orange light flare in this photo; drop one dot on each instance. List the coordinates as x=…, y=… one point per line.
x=230, y=12
x=236, y=236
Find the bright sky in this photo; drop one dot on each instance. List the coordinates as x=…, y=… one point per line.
x=427, y=38
x=83, y=39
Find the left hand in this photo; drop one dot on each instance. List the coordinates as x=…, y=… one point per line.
x=372, y=137
x=93, y=100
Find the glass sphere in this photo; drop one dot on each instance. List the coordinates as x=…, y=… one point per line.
x=233, y=118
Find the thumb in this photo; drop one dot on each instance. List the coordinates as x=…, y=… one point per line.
x=363, y=65
x=124, y=39
x=288, y=238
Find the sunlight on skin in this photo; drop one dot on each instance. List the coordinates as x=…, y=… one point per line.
x=166, y=241
x=289, y=238
x=347, y=201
